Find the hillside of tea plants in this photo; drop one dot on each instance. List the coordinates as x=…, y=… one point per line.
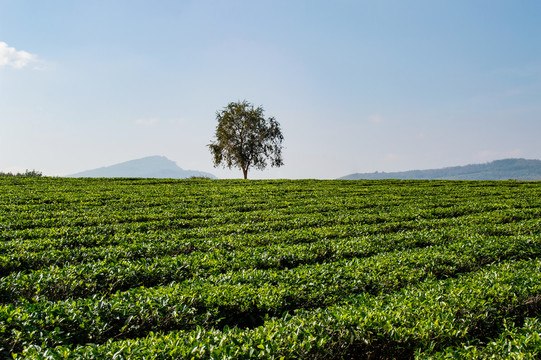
x=305, y=269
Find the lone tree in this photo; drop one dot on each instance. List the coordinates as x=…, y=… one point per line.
x=245, y=139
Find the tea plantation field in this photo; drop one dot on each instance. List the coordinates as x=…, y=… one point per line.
x=226, y=269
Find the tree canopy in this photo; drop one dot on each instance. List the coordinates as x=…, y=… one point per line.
x=245, y=139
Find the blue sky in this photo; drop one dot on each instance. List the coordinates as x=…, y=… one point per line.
x=357, y=86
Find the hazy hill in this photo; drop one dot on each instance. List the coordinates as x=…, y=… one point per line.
x=517, y=169
x=148, y=167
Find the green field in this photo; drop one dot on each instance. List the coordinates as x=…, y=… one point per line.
x=224, y=269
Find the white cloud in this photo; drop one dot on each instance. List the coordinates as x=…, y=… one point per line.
x=147, y=122
x=17, y=59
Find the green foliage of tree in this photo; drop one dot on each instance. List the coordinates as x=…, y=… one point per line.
x=27, y=173
x=245, y=139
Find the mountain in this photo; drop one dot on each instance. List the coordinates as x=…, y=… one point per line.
x=148, y=167
x=516, y=169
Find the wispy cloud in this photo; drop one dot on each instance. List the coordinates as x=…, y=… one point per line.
x=375, y=119
x=17, y=59
x=146, y=122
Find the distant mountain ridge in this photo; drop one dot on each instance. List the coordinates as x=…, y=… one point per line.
x=148, y=167
x=506, y=169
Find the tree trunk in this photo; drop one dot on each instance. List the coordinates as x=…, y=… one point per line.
x=245, y=173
